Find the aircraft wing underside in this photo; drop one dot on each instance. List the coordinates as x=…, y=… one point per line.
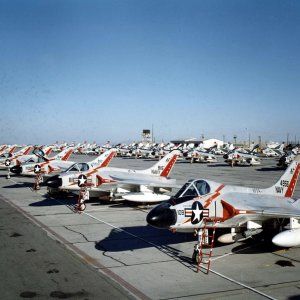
x=263, y=205
x=146, y=182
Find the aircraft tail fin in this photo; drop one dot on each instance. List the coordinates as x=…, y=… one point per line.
x=48, y=150
x=281, y=147
x=26, y=150
x=253, y=148
x=2, y=148
x=286, y=185
x=104, y=159
x=65, y=154
x=164, y=166
x=12, y=149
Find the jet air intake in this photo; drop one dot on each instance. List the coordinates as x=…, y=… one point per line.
x=162, y=216
x=16, y=169
x=53, y=182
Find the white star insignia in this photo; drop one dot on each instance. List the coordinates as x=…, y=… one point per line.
x=37, y=169
x=197, y=213
x=82, y=180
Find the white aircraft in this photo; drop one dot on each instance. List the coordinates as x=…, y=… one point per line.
x=2, y=148
x=132, y=185
x=46, y=166
x=20, y=158
x=7, y=151
x=247, y=158
x=201, y=154
x=12, y=159
x=73, y=172
x=246, y=211
x=274, y=152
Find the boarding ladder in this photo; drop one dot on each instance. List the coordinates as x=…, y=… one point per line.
x=206, y=245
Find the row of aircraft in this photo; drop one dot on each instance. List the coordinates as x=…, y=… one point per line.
x=208, y=151
x=199, y=204
x=61, y=174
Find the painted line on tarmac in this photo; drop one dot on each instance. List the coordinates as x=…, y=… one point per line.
x=231, y=253
x=88, y=259
x=243, y=285
x=117, y=278
x=215, y=272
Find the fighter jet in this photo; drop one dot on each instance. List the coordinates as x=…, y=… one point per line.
x=71, y=174
x=247, y=158
x=11, y=159
x=132, y=185
x=246, y=211
x=24, y=158
x=7, y=151
x=2, y=148
x=46, y=165
x=200, y=154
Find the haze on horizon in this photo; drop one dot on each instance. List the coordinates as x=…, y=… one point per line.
x=106, y=70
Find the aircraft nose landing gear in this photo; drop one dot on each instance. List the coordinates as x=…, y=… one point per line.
x=84, y=194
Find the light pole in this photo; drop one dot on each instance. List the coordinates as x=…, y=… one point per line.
x=234, y=137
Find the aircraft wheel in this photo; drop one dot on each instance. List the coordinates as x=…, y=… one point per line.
x=195, y=257
x=81, y=207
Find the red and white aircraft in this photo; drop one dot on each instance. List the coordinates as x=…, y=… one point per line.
x=246, y=211
x=11, y=159
x=46, y=166
x=132, y=185
x=19, y=158
x=7, y=151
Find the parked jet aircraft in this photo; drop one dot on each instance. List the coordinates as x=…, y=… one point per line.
x=76, y=169
x=132, y=185
x=247, y=211
x=46, y=166
x=2, y=148
x=7, y=151
x=274, y=152
x=201, y=154
x=5, y=162
x=236, y=157
x=20, y=158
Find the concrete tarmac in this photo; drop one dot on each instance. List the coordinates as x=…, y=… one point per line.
x=32, y=265
x=114, y=239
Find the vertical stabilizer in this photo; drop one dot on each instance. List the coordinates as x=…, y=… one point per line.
x=286, y=185
x=164, y=166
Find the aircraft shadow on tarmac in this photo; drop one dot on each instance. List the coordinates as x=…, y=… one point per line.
x=19, y=185
x=221, y=165
x=141, y=237
x=251, y=246
x=50, y=201
x=66, y=199
x=266, y=169
x=3, y=175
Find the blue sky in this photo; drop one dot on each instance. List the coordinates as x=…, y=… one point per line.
x=105, y=70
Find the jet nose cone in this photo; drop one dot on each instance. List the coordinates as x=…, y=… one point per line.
x=54, y=182
x=162, y=216
x=16, y=169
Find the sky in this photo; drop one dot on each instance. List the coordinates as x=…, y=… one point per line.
x=106, y=70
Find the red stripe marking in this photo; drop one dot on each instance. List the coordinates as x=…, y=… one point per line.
x=108, y=159
x=67, y=155
x=12, y=149
x=27, y=150
x=290, y=190
x=48, y=151
x=169, y=166
x=215, y=195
